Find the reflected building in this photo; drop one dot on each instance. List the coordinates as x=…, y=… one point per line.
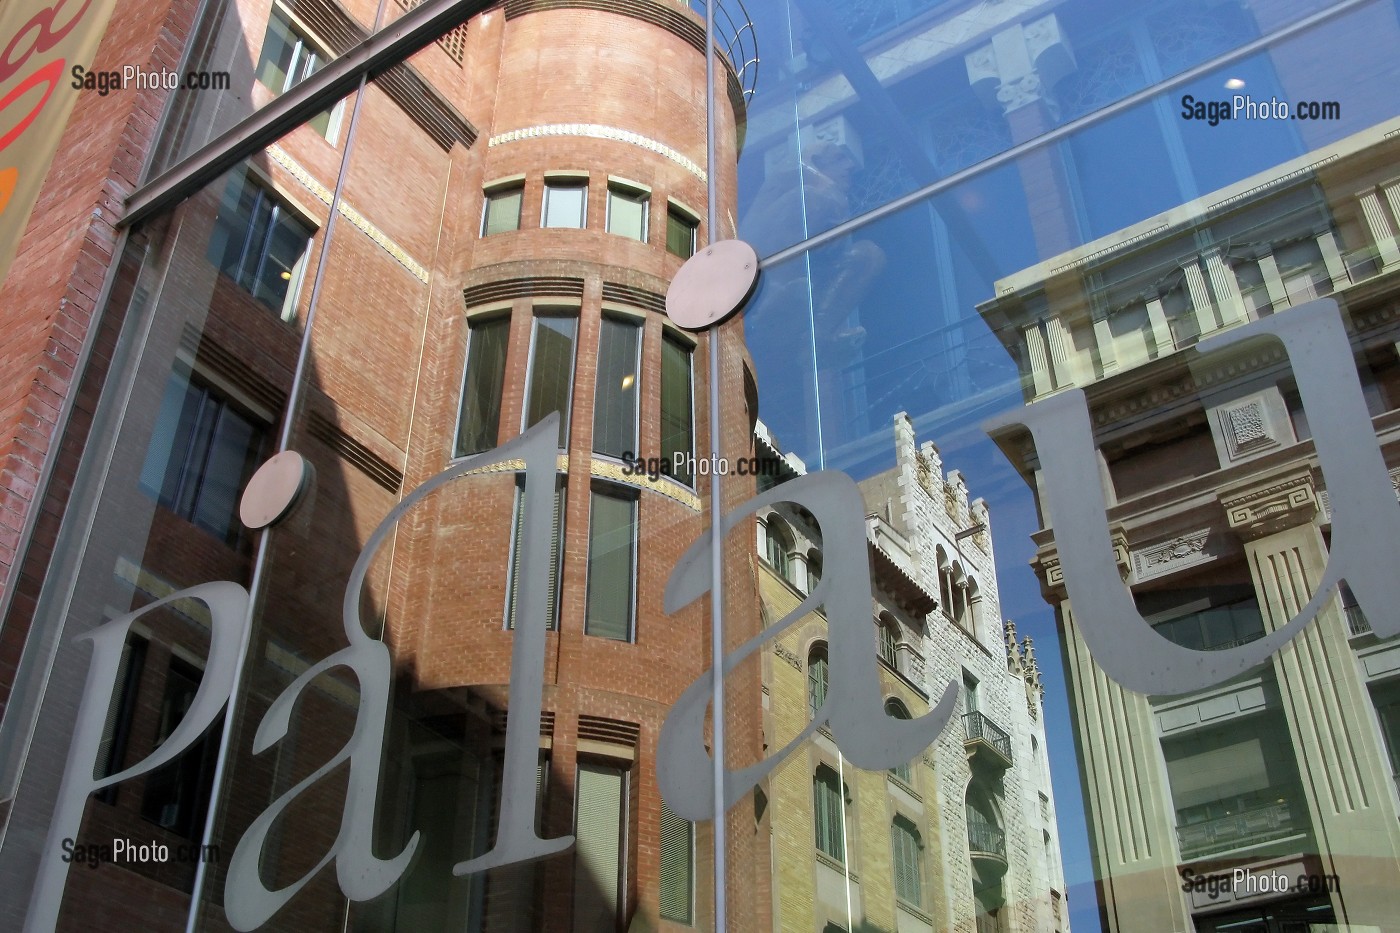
x=1221, y=526
x=964, y=836
x=501, y=250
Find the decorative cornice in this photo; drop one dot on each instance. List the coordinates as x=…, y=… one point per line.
x=358, y=220
x=788, y=655
x=1257, y=511
x=599, y=131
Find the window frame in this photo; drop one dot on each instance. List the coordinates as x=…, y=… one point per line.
x=903, y=827
x=688, y=348
x=564, y=182
x=689, y=866
x=306, y=40
x=474, y=323
x=822, y=794
x=638, y=328
x=495, y=191
x=619, y=493
x=282, y=215
x=636, y=194
x=686, y=218
x=817, y=676
x=624, y=815
x=540, y=315
x=559, y=521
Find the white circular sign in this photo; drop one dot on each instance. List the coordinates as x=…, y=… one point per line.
x=713, y=284
x=274, y=490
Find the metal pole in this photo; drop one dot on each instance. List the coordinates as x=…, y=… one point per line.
x=716, y=505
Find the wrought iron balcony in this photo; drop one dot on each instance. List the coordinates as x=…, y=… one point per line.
x=1250, y=827
x=1357, y=623
x=986, y=844
x=986, y=741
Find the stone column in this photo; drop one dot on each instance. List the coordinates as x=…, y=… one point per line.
x=1200, y=297
x=1341, y=763
x=1041, y=378
x=1273, y=281
x=1161, y=330
x=1332, y=258
x=1381, y=231
x=1058, y=339
x=1103, y=339
x=1014, y=73
x=1226, y=287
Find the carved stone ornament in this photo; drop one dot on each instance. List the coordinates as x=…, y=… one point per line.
x=1264, y=510
x=1170, y=556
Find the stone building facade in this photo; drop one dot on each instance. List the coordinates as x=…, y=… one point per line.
x=978, y=802
x=1220, y=517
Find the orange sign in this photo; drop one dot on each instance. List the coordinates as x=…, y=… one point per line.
x=37, y=48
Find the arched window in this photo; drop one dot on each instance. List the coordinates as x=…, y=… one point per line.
x=889, y=641
x=945, y=583
x=816, y=679
x=780, y=548
x=908, y=849
x=897, y=710
x=827, y=801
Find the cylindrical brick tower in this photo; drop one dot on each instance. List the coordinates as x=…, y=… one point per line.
x=592, y=193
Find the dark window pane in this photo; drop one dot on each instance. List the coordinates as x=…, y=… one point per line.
x=259, y=244
x=677, y=432
x=615, y=407
x=677, y=884
x=680, y=234
x=552, y=372
x=480, y=420
x=826, y=793
x=611, y=538
x=177, y=795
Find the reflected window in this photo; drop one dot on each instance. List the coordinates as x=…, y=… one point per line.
x=202, y=451
x=615, y=404
x=627, y=211
x=261, y=244
x=116, y=730
x=555, y=555
x=677, y=414
x=908, y=849
x=677, y=884
x=1209, y=618
x=551, y=384
x=599, y=829
x=565, y=203
x=889, y=642
x=501, y=211
x=480, y=420
x=816, y=679
x=289, y=57
x=177, y=795
x=612, y=547
x=780, y=546
x=827, y=808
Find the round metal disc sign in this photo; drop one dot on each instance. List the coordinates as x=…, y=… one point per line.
x=713, y=284
x=273, y=490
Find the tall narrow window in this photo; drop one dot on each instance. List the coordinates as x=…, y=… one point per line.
x=908, y=862
x=904, y=772
x=827, y=800
x=116, y=730
x=599, y=827
x=780, y=547
x=612, y=544
x=615, y=404
x=677, y=417
x=288, y=58
x=480, y=421
x=627, y=212
x=889, y=642
x=555, y=556
x=680, y=233
x=551, y=373
x=260, y=244
x=501, y=211
x=816, y=679
x=202, y=452
x=565, y=203
x=177, y=795
x=677, y=884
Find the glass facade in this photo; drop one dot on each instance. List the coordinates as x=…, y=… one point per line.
x=370, y=534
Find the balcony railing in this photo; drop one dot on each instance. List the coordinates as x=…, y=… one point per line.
x=734, y=33
x=986, y=839
x=982, y=730
x=1262, y=824
x=1357, y=623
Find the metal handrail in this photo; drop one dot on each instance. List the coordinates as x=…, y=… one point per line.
x=986, y=838
x=738, y=40
x=980, y=727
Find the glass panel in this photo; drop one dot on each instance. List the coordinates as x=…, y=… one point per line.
x=612, y=533
x=615, y=407
x=565, y=204
x=677, y=432
x=480, y=417
x=502, y=211
x=627, y=213
x=680, y=234
x=552, y=372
